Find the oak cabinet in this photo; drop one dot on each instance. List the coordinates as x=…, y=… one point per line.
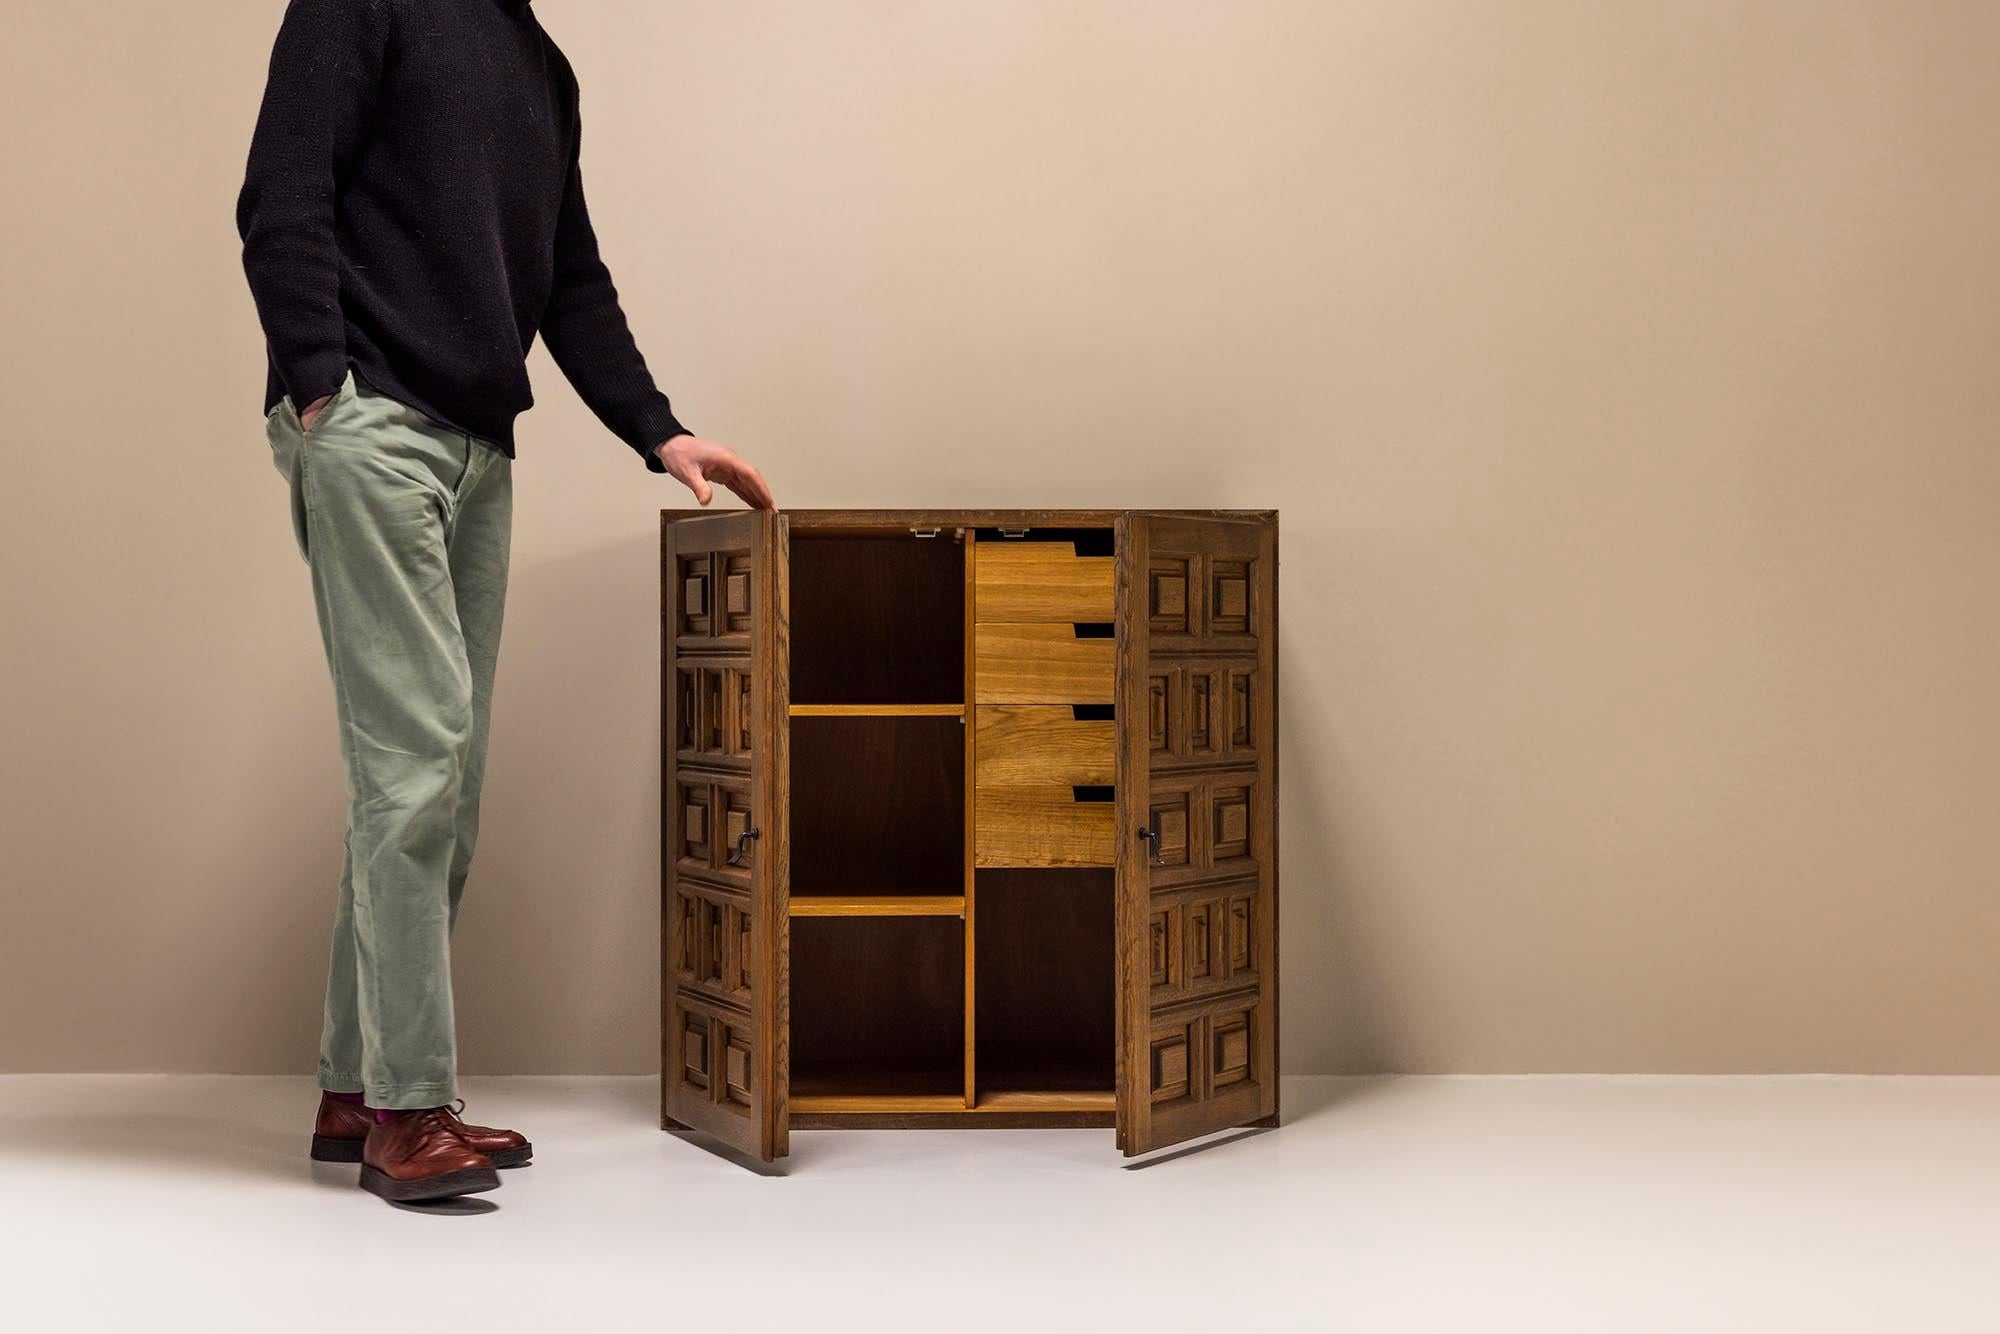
x=969, y=819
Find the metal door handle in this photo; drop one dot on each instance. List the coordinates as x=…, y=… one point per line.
x=742, y=846
x=1152, y=837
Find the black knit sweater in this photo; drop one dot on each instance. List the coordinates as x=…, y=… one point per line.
x=413, y=209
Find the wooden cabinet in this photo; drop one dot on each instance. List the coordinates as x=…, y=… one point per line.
x=969, y=818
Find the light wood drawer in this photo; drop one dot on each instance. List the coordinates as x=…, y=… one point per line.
x=1039, y=581
x=1041, y=826
x=1041, y=663
x=1016, y=744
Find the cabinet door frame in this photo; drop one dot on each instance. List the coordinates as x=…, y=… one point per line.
x=1197, y=630
x=724, y=930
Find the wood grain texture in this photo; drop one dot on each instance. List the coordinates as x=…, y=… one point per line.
x=1040, y=663
x=878, y=710
x=970, y=553
x=1024, y=825
x=1196, y=908
x=1042, y=581
x=1042, y=744
x=962, y=1119
x=902, y=522
x=878, y=905
x=882, y=1000
x=724, y=852
x=994, y=1104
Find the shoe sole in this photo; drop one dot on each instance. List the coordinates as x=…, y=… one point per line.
x=448, y=1185
x=329, y=1149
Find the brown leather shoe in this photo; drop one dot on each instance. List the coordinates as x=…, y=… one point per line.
x=419, y=1155
x=341, y=1127
x=507, y=1148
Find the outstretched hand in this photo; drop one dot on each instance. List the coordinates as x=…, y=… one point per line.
x=697, y=462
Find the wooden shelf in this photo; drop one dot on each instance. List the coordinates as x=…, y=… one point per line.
x=873, y=1104
x=878, y=905
x=990, y=1104
x=878, y=711
x=1031, y=1101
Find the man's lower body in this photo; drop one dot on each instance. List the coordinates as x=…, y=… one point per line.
x=406, y=526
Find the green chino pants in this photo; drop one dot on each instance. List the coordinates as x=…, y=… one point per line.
x=405, y=525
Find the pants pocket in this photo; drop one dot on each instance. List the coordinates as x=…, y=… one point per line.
x=288, y=456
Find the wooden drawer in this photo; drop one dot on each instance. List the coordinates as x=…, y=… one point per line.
x=1041, y=825
x=1041, y=663
x=1039, y=581
x=1047, y=744
x=1028, y=762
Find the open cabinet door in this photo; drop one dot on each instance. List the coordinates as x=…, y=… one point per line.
x=725, y=855
x=1197, y=821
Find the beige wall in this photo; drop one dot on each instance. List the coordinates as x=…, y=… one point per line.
x=1625, y=373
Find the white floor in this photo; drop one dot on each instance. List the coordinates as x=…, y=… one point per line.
x=1607, y=1205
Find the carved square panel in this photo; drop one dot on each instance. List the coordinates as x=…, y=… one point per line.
x=1167, y=815
x=693, y=838
x=736, y=598
x=712, y=942
x=696, y=615
x=741, y=716
x=1241, y=704
x=1229, y=1049
x=735, y=1067
x=735, y=823
x=1242, y=932
x=1204, y=953
x=1164, y=947
x=1161, y=714
x=687, y=716
x=696, y=1044
x=1168, y=1075
x=739, y=959
x=1229, y=830
x=1169, y=581
x=1201, y=714
x=712, y=730
x=1229, y=597
x=687, y=937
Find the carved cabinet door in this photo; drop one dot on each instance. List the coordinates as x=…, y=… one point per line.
x=724, y=859
x=1197, y=864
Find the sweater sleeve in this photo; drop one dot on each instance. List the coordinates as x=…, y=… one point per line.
x=589, y=338
x=326, y=71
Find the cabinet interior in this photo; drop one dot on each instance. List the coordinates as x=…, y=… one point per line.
x=877, y=619
x=878, y=805
x=1044, y=972
x=877, y=1006
x=934, y=975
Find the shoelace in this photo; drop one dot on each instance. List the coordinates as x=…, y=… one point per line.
x=432, y=1122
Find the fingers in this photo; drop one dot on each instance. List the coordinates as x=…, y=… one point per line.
x=695, y=461
x=749, y=484
x=688, y=473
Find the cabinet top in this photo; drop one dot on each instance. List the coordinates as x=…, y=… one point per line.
x=972, y=518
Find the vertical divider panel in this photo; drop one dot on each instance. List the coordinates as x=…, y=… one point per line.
x=971, y=813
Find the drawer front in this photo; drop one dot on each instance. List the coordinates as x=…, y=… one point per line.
x=1039, y=581
x=1041, y=663
x=1029, y=744
x=1041, y=826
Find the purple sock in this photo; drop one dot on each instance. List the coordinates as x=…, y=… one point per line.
x=357, y=1099
x=384, y=1114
